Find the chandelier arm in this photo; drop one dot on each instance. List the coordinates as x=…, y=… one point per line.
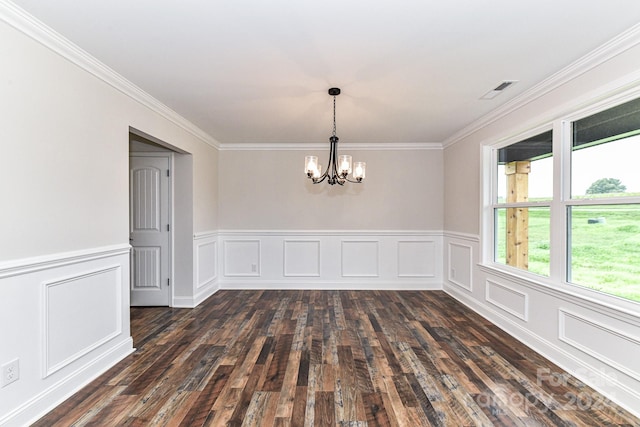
x=325, y=175
x=353, y=181
x=319, y=180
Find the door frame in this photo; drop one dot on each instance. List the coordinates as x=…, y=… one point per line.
x=170, y=216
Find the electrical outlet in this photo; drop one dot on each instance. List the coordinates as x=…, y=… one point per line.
x=453, y=273
x=10, y=372
x=254, y=268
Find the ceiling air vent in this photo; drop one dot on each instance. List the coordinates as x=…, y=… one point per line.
x=498, y=89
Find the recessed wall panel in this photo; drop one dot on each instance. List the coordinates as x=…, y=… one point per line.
x=416, y=258
x=508, y=299
x=81, y=313
x=242, y=258
x=460, y=265
x=301, y=258
x=608, y=344
x=360, y=258
x=206, y=260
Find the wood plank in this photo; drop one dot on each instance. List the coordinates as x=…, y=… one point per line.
x=299, y=407
x=262, y=410
x=278, y=365
x=375, y=410
x=108, y=397
x=324, y=409
x=115, y=412
x=200, y=410
x=289, y=384
x=351, y=406
x=242, y=405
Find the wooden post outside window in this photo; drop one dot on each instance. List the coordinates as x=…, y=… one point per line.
x=518, y=218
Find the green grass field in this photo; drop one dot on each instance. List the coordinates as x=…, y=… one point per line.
x=604, y=256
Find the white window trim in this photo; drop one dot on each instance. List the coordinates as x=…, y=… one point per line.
x=561, y=127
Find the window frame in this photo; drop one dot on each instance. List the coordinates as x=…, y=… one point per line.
x=490, y=154
x=559, y=206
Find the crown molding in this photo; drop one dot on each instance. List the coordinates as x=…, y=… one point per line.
x=614, y=47
x=353, y=146
x=49, y=38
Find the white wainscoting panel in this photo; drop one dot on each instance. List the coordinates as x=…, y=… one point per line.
x=417, y=258
x=321, y=259
x=360, y=258
x=460, y=270
x=65, y=318
x=301, y=258
x=81, y=313
x=206, y=262
x=206, y=265
x=507, y=298
x=616, y=348
x=242, y=258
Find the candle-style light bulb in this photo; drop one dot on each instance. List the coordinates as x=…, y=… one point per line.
x=359, y=170
x=344, y=165
x=310, y=165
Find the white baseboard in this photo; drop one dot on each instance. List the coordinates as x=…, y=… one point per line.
x=48, y=399
x=192, y=302
x=363, y=285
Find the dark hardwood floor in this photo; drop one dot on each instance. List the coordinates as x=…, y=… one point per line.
x=331, y=358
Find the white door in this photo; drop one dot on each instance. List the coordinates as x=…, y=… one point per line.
x=149, y=228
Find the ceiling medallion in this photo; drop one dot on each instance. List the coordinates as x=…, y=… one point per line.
x=339, y=167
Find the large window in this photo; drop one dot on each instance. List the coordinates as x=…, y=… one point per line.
x=592, y=208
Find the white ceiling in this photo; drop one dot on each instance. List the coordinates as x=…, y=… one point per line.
x=253, y=71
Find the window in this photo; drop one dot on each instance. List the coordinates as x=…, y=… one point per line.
x=521, y=209
x=592, y=208
x=604, y=211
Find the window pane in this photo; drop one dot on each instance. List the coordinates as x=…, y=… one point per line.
x=606, y=170
x=605, y=147
x=604, y=250
x=530, y=162
x=526, y=246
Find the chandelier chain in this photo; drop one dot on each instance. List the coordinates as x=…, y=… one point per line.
x=334, y=115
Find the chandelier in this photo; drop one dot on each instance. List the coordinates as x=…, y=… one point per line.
x=339, y=167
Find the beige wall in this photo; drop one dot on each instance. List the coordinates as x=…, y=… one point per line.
x=462, y=188
x=262, y=190
x=65, y=143
x=462, y=159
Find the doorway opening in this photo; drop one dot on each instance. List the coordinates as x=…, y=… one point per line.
x=160, y=221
